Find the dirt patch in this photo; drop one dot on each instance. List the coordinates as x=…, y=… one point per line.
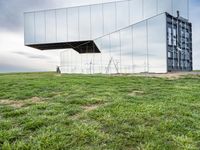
x=174, y=75
x=13, y=103
x=75, y=117
x=21, y=103
x=136, y=93
x=56, y=94
x=170, y=75
x=58, y=75
x=87, y=108
x=90, y=107
x=36, y=100
x=167, y=75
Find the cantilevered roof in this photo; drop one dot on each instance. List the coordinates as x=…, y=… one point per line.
x=80, y=46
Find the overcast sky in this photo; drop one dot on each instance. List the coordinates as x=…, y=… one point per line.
x=15, y=57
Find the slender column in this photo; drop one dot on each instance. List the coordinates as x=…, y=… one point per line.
x=147, y=42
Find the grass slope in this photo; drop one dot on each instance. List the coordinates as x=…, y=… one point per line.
x=47, y=111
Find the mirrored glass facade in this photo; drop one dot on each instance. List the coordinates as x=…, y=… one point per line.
x=115, y=37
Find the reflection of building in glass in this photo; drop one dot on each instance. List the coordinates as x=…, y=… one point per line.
x=129, y=36
x=179, y=45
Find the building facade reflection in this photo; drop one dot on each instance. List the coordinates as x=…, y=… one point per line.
x=129, y=36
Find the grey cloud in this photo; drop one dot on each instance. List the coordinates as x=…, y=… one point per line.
x=11, y=12
x=5, y=68
x=29, y=55
x=38, y=57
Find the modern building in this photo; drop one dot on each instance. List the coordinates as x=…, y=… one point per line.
x=129, y=36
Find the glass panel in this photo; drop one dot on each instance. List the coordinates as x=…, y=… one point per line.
x=157, y=44
x=84, y=63
x=75, y=62
x=97, y=24
x=98, y=43
x=182, y=6
x=150, y=8
x=122, y=14
x=85, y=22
x=97, y=63
x=109, y=17
x=39, y=27
x=136, y=13
x=87, y=61
x=105, y=50
x=169, y=36
x=66, y=61
x=61, y=19
x=115, y=52
x=73, y=27
x=165, y=6
x=140, y=47
x=126, y=50
x=29, y=29
x=98, y=58
x=51, y=26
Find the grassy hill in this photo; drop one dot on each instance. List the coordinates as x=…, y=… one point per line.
x=49, y=111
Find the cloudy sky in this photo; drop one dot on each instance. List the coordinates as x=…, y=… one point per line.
x=15, y=57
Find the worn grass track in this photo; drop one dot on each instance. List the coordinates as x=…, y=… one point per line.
x=47, y=111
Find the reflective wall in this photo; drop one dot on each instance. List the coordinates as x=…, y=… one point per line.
x=93, y=21
x=134, y=49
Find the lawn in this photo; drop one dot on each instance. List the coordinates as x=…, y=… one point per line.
x=44, y=111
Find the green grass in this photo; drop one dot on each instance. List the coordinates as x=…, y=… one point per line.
x=41, y=111
x=196, y=71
